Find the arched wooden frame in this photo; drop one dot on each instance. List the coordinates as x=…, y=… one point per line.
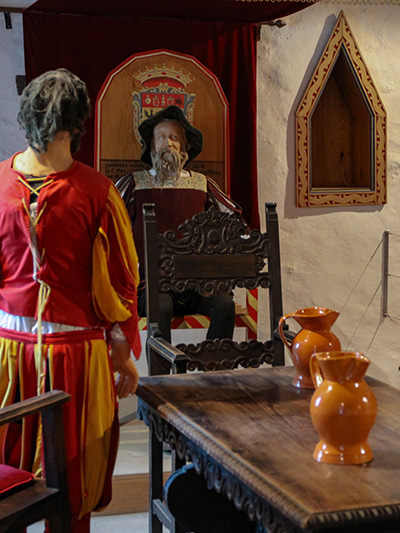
x=128, y=96
x=340, y=130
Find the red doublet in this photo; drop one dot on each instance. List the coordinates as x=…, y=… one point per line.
x=62, y=240
x=88, y=262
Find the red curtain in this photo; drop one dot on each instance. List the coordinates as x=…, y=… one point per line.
x=91, y=46
x=211, y=10
x=92, y=37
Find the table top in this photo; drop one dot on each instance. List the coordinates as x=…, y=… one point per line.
x=257, y=426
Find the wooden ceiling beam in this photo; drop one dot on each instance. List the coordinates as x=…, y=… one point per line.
x=6, y=9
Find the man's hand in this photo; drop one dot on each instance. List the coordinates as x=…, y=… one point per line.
x=122, y=362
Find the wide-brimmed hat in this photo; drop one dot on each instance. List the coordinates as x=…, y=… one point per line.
x=194, y=136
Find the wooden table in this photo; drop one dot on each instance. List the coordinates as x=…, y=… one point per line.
x=249, y=433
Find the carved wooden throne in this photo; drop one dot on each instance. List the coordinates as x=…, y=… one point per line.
x=214, y=252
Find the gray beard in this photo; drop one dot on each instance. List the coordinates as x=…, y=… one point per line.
x=168, y=163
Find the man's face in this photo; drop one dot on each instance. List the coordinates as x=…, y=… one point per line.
x=168, y=151
x=169, y=134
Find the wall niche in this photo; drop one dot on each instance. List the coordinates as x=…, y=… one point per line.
x=340, y=130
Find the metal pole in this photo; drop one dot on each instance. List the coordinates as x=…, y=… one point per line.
x=385, y=273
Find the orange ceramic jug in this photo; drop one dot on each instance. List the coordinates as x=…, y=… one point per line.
x=343, y=407
x=315, y=336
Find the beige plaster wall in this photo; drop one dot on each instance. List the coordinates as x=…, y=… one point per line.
x=333, y=256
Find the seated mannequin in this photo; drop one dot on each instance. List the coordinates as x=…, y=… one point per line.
x=169, y=143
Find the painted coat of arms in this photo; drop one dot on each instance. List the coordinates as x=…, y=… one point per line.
x=162, y=86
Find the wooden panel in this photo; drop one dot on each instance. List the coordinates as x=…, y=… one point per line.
x=331, y=159
x=341, y=131
x=214, y=266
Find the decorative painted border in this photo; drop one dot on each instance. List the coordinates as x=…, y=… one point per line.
x=305, y=196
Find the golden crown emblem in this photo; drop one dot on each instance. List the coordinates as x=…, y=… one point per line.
x=163, y=71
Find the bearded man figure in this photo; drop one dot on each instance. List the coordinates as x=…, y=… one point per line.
x=168, y=152
x=169, y=142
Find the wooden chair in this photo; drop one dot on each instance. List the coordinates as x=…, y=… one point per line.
x=213, y=252
x=35, y=499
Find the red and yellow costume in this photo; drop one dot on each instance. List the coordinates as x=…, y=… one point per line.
x=71, y=270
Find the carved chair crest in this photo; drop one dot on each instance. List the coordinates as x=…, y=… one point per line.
x=227, y=354
x=196, y=256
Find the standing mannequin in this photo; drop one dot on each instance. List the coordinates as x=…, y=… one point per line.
x=67, y=284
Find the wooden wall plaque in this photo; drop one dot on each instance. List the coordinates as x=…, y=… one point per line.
x=144, y=84
x=340, y=130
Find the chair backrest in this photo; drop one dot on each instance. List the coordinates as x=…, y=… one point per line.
x=44, y=498
x=211, y=252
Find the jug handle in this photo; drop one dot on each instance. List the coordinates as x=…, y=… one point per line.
x=315, y=371
x=281, y=332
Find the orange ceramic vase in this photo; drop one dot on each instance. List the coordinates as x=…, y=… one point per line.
x=343, y=407
x=315, y=336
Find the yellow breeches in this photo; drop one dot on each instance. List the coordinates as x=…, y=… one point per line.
x=80, y=366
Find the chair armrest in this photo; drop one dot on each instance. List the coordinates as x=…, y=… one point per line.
x=164, y=349
x=50, y=406
x=32, y=405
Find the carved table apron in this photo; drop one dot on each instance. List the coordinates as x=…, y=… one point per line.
x=249, y=433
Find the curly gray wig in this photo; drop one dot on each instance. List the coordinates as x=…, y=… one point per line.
x=54, y=101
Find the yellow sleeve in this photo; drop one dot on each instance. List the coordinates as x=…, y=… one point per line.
x=115, y=264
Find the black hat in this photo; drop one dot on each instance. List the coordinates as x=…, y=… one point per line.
x=194, y=136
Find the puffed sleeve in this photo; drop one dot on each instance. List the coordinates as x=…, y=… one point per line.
x=115, y=270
